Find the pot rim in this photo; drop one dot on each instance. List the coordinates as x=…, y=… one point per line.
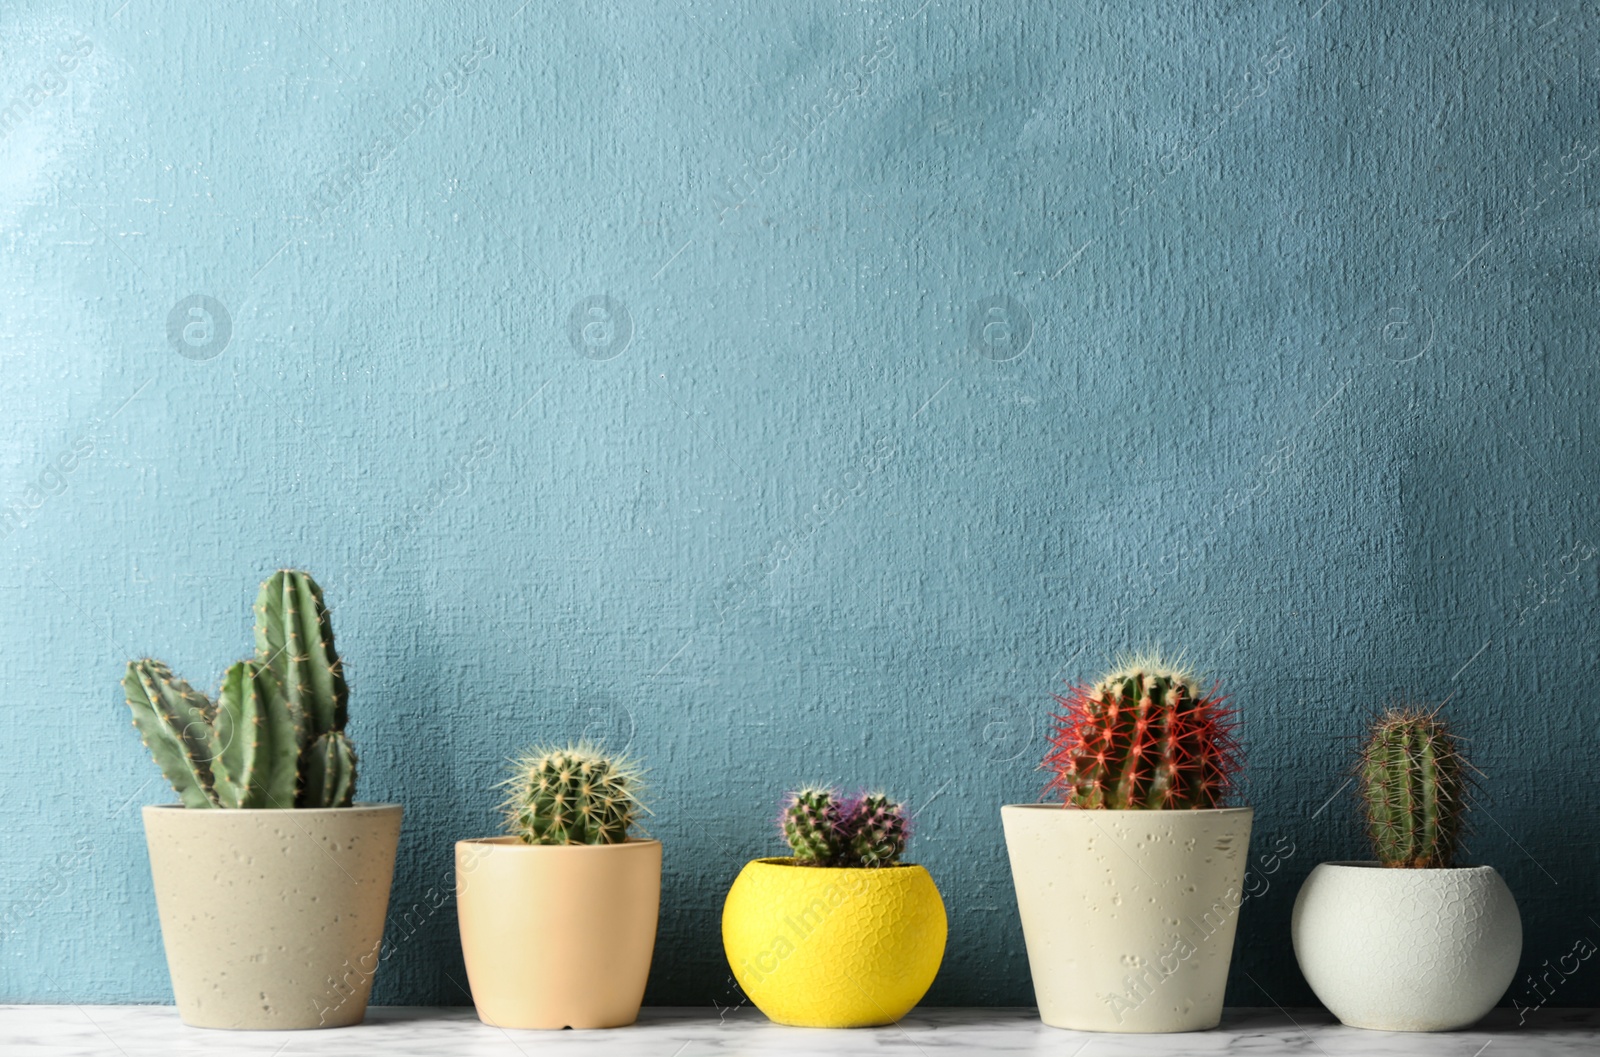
x=515, y=843
x=1140, y=811
x=1357, y=865
x=788, y=860
x=237, y=811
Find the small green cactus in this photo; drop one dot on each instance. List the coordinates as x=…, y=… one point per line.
x=878, y=830
x=869, y=830
x=811, y=825
x=1414, y=785
x=575, y=795
x=275, y=736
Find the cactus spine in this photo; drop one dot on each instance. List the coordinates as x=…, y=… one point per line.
x=575, y=795
x=1414, y=784
x=275, y=736
x=1143, y=737
x=869, y=830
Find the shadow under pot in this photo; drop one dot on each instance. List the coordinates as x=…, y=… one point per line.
x=1128, y=916
x=1400, y=949
x=272, y=918
x=557, y=935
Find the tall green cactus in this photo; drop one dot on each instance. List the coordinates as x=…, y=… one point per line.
x=575, y=795
x=275, y=737
x=1414, y=784
x=294, y=634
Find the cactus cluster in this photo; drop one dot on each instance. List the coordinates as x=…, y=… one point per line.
x=274, y=738
x=575, y=795
x=863, y=831
x=1144, y=736
x=1413, y=782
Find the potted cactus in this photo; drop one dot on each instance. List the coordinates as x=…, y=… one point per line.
x=1129, y=888
x=1412, y=940
x=271, y=883
x=558, y=919
x=841, y=933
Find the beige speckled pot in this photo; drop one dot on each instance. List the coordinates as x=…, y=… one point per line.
x=272, y=918
x=1129, y=916
x=557, y=936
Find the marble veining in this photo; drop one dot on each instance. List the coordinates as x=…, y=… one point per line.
x=134, y=1031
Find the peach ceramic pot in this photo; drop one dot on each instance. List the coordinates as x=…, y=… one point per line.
x=557, y=936
x=272, y=918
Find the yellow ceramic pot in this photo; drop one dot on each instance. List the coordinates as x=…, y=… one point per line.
x=827, y=947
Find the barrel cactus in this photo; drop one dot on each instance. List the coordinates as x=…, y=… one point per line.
x=274, y=738
x=868, y=830
x=1414, y=785
x=1144, y=737
x=575, y=795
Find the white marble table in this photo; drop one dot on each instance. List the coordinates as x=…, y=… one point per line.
x=138, y=1031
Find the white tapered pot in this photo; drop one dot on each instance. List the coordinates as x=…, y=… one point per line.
x=1129, y=916
x=1406, y=950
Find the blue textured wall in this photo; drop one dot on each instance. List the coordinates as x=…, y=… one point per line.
x=790, y=392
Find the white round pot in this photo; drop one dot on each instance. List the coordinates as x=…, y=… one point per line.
x=1406, y=950
x=1129, y=916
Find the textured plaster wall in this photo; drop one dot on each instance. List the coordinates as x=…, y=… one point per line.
x=795, y=392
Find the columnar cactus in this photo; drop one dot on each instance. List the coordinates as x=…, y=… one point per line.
x=864, y=831
x=275, y=736
x=294, y=635
x=576, y=795
x=1414, y=784
x=174, y=722
x=1144, y=736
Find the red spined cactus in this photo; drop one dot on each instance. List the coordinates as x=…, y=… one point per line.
x=1142, y=737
